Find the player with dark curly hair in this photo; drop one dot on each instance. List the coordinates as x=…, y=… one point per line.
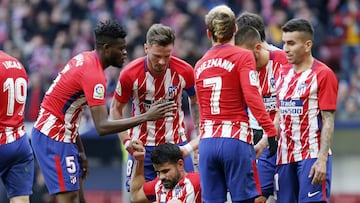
x=55, y=139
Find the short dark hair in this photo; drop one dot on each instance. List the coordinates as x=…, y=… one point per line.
x=166, y=153
x=106, y=32
x=299, y=25
x=248, y=36
x=160, y=34
x=254, y=20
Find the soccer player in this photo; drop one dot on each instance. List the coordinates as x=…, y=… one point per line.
x=226, y=83
x=55, y=138
x=173, y=184
x=147, y=79
x=307, y=94
x=16, y=160
x=268, y=62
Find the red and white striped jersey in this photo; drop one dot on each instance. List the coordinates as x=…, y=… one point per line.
x=226, y=84
x=136, y=82
x=301, y=97
x=81, y=82
x=267, y=77
x=14, y=80
x=187, y=190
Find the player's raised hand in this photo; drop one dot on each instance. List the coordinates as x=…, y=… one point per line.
x=161, y=109
x=139, y=150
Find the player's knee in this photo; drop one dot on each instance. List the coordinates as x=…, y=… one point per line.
x=20, y=199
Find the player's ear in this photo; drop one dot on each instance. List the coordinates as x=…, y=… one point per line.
x=180, y=163
x=258, y=47
x=209, y=35
x=146, y=48
x=308, y=45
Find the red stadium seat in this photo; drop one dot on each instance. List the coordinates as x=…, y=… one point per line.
x=115, y=197
x=345, y=198
x=96, y=197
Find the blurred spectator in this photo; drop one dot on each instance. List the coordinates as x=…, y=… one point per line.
x=35, y=94
x=44, y=34
x=276, y=21
x=347, y=22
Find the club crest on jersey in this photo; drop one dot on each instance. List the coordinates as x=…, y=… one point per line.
x=254, y=78
x=73, y=179
x=99, y=91
x=272, y=82
x=302, y=88
x=118, y=89
x=172, y=91
x=178, y=191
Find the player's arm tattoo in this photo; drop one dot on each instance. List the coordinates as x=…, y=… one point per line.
x=327, y=132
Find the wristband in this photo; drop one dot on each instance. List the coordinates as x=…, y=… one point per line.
x=188, y=148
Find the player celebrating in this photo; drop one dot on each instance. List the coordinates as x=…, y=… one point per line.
x=55, y=139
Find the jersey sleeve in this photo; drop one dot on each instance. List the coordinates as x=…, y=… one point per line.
x=149, y=189
x=189, y=77
x=195, y=181
x=280, y=57
x=93, y=84
x=123, y=89
x=249, y=80
x=328, y=88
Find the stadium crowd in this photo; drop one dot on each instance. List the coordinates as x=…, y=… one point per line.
x=44, y=34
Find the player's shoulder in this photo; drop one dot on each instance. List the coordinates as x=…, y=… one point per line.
x=278, y=53
x=279, y=56
x=9, y=62
x=322, y=68
x=138, y=63
x=84, y=59
x=241, y=52
x=193, y=175
x=179, y=63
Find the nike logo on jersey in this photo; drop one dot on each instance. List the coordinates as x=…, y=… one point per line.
x=312, y=194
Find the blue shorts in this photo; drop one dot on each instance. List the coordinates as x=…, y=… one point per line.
x=149, y=170
x=227, y=164
x=292, y=183
x=17, y=167
x=266, y=168
x=58, y=161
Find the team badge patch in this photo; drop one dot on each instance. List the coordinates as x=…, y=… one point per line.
x=99, y=91
x=73, y=179
x=118, y=89
x=254, y=78
x=172, y=91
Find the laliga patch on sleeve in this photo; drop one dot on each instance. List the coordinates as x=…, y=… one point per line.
x=254, y=78
x=118, y=89
x=99, y=91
